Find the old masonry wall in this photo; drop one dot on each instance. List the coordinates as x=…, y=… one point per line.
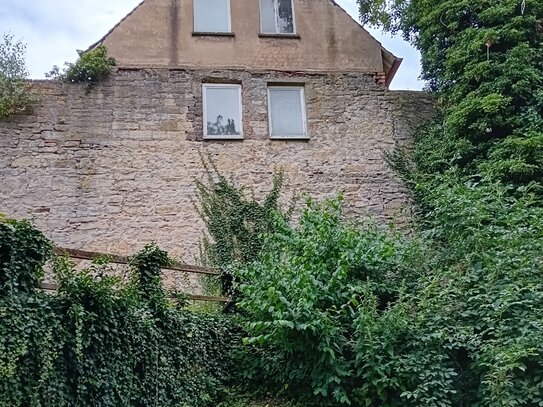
x=114, y=168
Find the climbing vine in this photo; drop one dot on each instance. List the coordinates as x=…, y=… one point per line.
x=234, y=222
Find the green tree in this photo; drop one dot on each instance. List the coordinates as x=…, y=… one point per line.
x=485, y=61
x=16, y=95
x=477, y=176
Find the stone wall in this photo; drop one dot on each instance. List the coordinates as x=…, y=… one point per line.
x=114, y=168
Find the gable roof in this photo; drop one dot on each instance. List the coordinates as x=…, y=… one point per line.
x=390, y=63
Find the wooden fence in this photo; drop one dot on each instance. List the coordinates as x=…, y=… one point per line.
x=116, y=259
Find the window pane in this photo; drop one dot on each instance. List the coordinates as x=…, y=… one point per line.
x=267, y=16
x=211, y=16
x=286, y=112
x=285, y=20
x=223, y=111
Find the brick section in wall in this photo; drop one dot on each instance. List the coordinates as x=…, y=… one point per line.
x=380, y=78
x=114, y=169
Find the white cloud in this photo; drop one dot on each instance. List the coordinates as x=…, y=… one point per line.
x=55, y=29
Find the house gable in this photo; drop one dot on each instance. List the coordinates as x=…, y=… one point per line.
x=160, y=33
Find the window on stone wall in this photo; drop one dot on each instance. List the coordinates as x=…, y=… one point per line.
x=222, y=111
x=212, y=16
x=276, y=17
x=287, y=113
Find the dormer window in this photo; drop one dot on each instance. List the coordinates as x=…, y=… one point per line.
x=276, y=17
x=212, y=16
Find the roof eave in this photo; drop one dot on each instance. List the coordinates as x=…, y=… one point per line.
x=393, y=70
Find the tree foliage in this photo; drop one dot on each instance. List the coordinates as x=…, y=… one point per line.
x=16, y=95
x=476, y=176
x=485, y=59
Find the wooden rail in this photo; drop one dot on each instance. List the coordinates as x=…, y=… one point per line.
x=114, y=258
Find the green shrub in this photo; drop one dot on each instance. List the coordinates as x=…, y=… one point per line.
x=303, y=295
x=16, y=95
x=338, y=313
x=92, y=67
x=473, y=329
x=101, y=341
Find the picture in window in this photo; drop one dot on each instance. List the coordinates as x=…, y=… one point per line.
x=276, y=17
x=222, y=110
x=287, y=111
x=212, y=16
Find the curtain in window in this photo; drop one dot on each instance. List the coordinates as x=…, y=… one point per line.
x=276, y=16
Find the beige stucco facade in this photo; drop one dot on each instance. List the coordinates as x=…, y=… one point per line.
x=326, y=38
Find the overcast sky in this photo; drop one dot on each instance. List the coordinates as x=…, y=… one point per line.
x=55, y=29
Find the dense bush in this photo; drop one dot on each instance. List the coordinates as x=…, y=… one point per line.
x=471, y=335
x=16, y=95
x=99, y=341
x=339, y=314
x=303, y=297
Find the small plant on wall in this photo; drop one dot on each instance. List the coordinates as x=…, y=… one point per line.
x=16, y=94
x=92, y=67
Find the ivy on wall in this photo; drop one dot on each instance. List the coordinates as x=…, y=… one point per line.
x=235, y=222
x=101, y=341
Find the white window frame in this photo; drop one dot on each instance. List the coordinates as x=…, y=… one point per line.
x=303, y=108
x=213, y=32
x=205, y=86
x=276, y=18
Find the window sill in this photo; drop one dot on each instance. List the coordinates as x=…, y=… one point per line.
x=223, y=138
x=290, y=138
x=288, y=36
x=213, y=34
